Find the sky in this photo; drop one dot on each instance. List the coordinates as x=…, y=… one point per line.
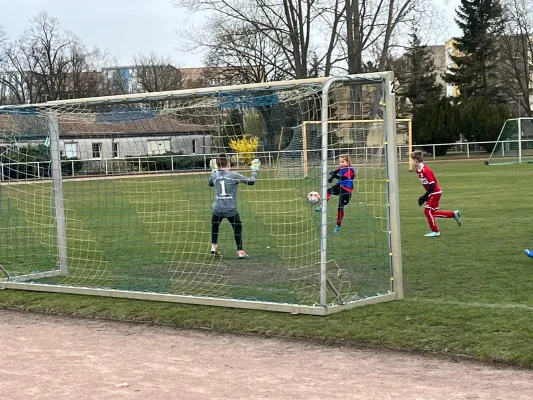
x=127, y=27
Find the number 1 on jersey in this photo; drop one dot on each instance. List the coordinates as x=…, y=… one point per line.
x=223, y=185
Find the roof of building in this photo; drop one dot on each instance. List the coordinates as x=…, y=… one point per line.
x=84, y=127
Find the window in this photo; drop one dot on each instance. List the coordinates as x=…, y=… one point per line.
x=115, y=150
x=194, y=146
x=97, y=150
x=71, y=150
x=70, y=95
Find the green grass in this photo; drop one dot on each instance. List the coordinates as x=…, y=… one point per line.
x=153, y=234
x=468, y=292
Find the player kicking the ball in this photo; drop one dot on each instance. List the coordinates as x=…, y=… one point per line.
x=344, y=188
x=225, y=204
x=432, y=195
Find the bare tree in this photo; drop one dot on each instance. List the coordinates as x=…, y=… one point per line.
x=87, y=77
x=515, y=49
x=355, y=37
x=48, y=49
x=17, y=73
x=286, y=28
x=3, y=88
x=294, y=39
x=155, y=73
x=48, y=64
x=239, y=54
x=3, y=39
x=36, y=67
x=371, y=30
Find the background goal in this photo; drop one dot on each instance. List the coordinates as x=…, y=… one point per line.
x=514, y=144
x=362, y=138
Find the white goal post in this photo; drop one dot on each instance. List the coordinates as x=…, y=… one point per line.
x=514, y=144
x=109, y=196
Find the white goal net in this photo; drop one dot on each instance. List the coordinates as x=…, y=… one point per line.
x=110, y=196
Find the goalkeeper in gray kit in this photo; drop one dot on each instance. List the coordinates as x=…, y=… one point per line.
x=225, y=183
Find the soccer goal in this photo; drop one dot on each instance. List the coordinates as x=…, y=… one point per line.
x=361, y=137
x=109, y=196
x=514, y=144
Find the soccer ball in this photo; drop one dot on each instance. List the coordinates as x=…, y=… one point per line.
x=313, y=198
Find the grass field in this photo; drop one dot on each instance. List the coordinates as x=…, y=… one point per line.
x=152, y=234
x=468, y=292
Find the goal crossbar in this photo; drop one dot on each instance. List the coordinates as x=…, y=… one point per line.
x=171, y=94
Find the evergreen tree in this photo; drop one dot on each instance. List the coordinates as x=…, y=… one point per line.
x=475, y=74
x=419, y=77
x=437, y=122
x=482, y=121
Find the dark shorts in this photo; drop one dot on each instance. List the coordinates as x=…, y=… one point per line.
x=231, y=217
x=344, y=195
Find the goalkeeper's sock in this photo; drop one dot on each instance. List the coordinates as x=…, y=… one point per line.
x=340, y=216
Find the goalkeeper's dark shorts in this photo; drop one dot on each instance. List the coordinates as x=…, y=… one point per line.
x=344, y=195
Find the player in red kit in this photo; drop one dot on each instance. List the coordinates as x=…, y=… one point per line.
x=432, y=195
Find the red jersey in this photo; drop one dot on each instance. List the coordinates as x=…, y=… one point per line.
x=427, y=177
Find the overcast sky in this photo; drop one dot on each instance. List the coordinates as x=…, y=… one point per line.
x=124, y=27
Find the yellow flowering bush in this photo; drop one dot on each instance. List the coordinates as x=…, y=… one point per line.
x=246, y=145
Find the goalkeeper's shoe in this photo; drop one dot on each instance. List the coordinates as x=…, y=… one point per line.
x=337, y=229
x=432, y=234
x=457, y=217
x=529, y=253
x=241, y=254
x=214, y=250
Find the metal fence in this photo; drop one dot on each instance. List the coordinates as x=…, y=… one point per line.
x=175, y=163
x=470, y=150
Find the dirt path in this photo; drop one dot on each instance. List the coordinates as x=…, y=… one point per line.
x=47, y=357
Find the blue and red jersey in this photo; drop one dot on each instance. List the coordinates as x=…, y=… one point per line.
x=346, y=177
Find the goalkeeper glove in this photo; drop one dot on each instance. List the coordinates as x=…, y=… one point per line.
x=213, y=165
x=331, y=179
x=255, y=164
x=335, y=174
x=425, y=196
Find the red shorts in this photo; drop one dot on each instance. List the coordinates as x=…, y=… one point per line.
x=433, y=201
